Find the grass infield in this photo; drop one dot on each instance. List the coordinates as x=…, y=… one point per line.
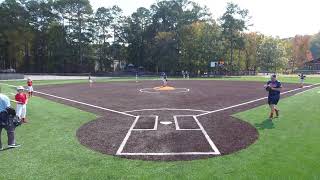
x=288, y=148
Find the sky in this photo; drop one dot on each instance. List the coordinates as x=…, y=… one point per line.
x=283, y=18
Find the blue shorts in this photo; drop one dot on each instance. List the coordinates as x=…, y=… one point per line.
x=273, y=100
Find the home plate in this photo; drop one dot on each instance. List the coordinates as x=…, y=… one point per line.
x=166, y=122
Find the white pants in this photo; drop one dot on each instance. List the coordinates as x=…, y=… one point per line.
x=21, y=110
x=165, y=82
x=301, y=81
x=30, y=89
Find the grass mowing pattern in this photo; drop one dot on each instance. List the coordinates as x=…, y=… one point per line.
x=287, y=149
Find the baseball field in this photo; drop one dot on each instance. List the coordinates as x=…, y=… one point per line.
x=118, y=128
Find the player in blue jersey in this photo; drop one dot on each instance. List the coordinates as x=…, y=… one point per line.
x=302, y=78
x=274, y=88
x=164, y=79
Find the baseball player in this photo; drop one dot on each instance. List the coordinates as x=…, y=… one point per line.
x=302, y=77
x=90, y=81
x=137, y=75
x=30, y=87
x=164, y=79
x=22, y=100
x=274, y=88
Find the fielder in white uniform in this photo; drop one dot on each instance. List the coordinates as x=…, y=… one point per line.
x=30, y=87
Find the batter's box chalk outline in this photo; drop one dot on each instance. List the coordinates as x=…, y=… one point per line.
x=155, y=127
x=177, y=123
x=215, y=150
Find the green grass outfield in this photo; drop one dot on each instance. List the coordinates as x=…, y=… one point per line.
x=287, y=149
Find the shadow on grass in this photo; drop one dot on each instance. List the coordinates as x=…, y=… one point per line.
x=266, y=124
x=6, y=149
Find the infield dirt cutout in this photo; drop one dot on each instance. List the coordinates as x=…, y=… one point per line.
x=191, y=124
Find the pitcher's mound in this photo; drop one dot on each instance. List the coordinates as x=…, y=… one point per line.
x=164, y=88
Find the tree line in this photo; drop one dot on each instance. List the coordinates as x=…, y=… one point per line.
x=61, y=36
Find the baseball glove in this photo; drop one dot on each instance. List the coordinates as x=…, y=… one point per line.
x=268, y=88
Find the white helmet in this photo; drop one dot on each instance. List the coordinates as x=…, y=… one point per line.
x=20, y=88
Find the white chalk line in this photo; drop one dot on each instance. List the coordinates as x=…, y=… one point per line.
x=155, y=127
x=146, y=91
x=119, y=151
x=165, y=109
x=169, y=154
x=213, y=146
x=165, y=122
x=305, y=91
x=302, y=92
x=86, y=104
x=153, y=91
x=79, y=102
x=307, y=86
x=250, y=102
x=175, y=117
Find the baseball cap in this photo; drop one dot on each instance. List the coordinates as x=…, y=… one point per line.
x=20, y=88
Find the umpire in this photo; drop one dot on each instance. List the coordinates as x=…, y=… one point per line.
x=4, y=122
x=274, y=88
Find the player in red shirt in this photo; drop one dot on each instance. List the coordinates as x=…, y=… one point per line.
x=30, y=87
x=22, y=101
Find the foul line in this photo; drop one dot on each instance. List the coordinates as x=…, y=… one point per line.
x=213, y=146
x=86, y=104
x=127, y=136
x=78, y=102
x=304, y=91
x=256, y=100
